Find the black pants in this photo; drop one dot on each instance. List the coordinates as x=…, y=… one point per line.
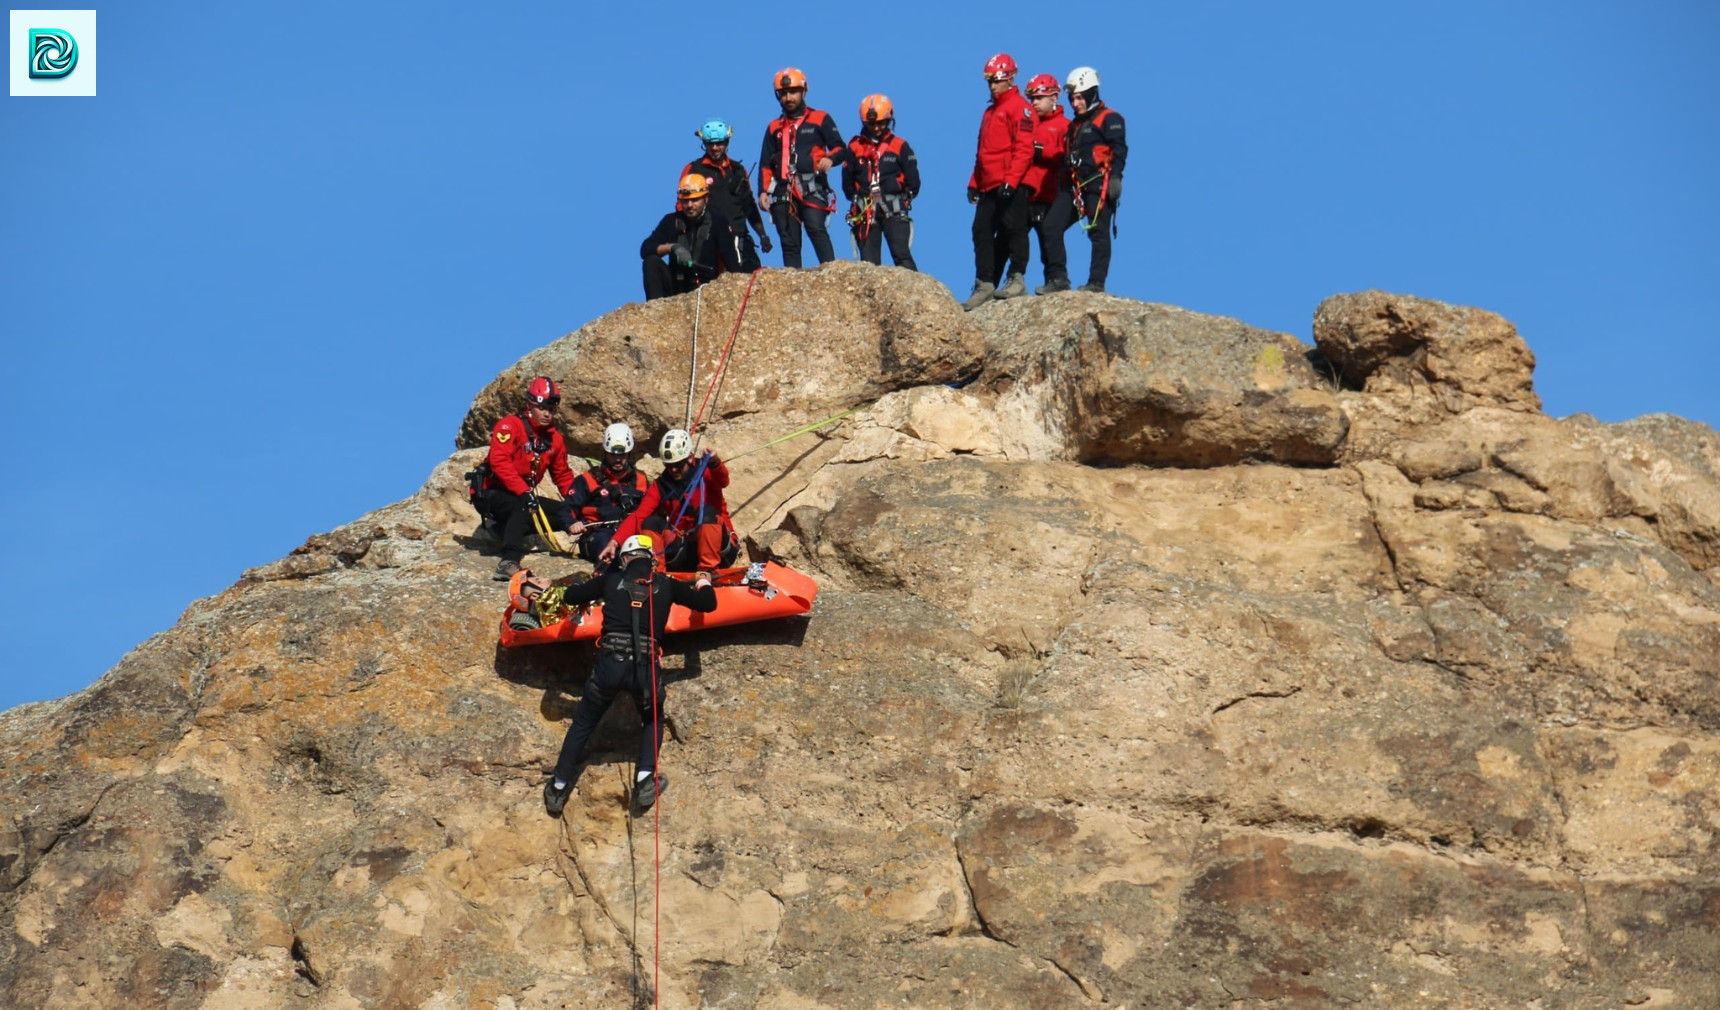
x=613, y=674
x=749, y=254
x=788, y=225
x=898, y=231
x=594, y=540
x=999, y=235
x=1050, y=221
x=1099, y=235
x=661, y=280
x=509, y=512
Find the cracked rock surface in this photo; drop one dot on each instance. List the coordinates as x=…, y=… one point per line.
x=1167, y=663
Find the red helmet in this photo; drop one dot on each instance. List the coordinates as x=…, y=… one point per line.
x=876, y=109
x=788, y=77
x=1042, y=85
x=543, y=392
x=1000, y=67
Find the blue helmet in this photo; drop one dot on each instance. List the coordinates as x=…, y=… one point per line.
x=715, y=132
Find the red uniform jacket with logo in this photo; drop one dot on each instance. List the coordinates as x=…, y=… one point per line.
x=1005, y=143
x=1050, y=133
x=519, y=458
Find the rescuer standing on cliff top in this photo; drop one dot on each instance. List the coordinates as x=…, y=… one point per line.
x=800, y=147
x=1000, y=201
x=882, y=177
x=636, y=600
x=1096, y=150
x=503, y=488
x=1050, y=208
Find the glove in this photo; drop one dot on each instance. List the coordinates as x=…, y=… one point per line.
x=1036, y=212
x=1038, y=149
x=530, y=501
x=1006, y=193
x=1116, y=191
x=681, y=256
x=764, y=241
x=973, y=194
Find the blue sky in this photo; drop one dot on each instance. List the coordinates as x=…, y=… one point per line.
x=250, y=289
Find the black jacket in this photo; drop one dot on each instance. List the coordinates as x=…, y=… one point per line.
x=612, y=589
x=709, y=241
x=1086, y=143
x=731, y=191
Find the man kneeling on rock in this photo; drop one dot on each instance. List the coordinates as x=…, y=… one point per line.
x=636, y=599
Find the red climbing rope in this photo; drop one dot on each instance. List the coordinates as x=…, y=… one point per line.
x=699, y=418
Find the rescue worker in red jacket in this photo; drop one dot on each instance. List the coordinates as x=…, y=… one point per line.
x=1096, y=150
x=800, y=147
x=523, y=447
x=1000, y=202
x=731, y=189
x=1050, y=208
x=687, y=500
x=605, y=495
x=697, y=241
x=882, y=177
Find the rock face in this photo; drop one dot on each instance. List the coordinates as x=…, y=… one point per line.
x=1152, y=668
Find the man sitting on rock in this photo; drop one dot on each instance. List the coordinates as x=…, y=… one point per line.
x=636, y=600
x=698, y=242
x=604, y=496
x=503, y=488
x=688, y=498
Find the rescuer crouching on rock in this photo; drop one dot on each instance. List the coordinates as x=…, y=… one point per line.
x=691, y=246
x=605, y=495
x=636, y=600
x=688, y=499
x=503, y=488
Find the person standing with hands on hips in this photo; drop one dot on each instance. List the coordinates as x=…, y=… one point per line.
x=1000, y=203
x=800, y=147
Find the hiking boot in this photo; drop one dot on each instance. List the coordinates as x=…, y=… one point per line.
x=1052, y=285
x=505, y=569
x=646, y=791
x=1097, y=289
x=981, y=294
x=554, y=800
x=1015, y=287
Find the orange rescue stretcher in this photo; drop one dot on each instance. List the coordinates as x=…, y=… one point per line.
x=757, y=592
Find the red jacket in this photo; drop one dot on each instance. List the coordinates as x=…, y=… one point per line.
x=518, y=460
x=705, y=504
x=1005, y=143
x=1050, y=135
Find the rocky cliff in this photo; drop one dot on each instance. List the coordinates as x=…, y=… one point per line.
x=1168, y=662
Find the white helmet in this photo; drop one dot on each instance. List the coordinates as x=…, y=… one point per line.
x=677, y=445
x=1081, y=79
x=639, y=543
x=618, y=438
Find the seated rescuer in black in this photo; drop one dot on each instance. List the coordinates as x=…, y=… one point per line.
x=636, y=600
x=698, y=242
x=606, y=494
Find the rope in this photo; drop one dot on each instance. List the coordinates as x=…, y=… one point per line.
x=800, y=431
x=693, y=364
x=540, y=522
x=699, y=418
x=657, y=805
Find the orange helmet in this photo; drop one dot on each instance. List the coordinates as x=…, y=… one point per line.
x=788, y=77
x=694, y=186
x=876, y=109
x=518, y=586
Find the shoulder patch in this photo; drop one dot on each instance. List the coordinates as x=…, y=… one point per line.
x=504, y=436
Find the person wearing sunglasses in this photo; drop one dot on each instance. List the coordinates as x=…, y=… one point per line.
x=800, y=147
x=524, y=447
x=1000, y=201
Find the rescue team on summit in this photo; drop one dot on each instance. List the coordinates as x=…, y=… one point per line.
x=1036, y=171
